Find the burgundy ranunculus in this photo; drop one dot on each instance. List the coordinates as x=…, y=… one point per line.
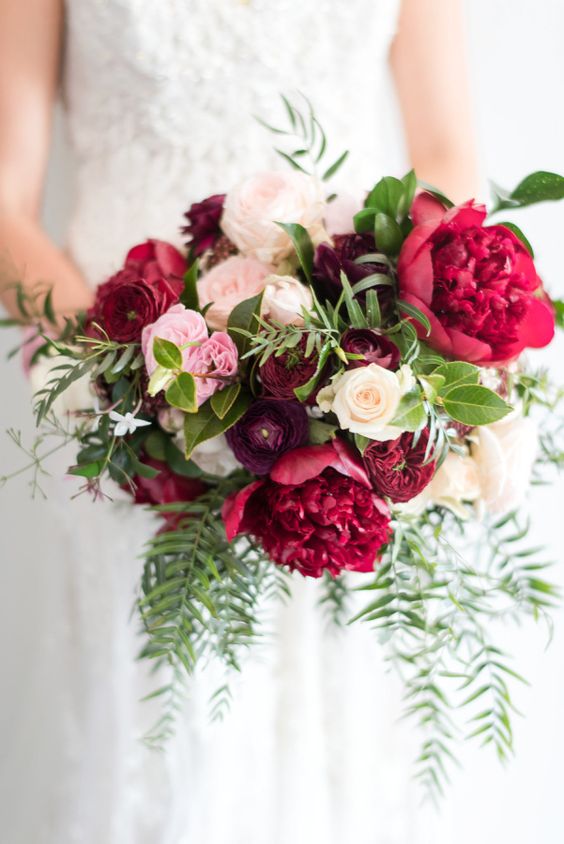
x=396, y=468
x=203, y=223
x=149, y=283
x=375, y=347
x=167, y=487
x=269, y=428
x=477, y=285
x=315, y=513
x=330, y=261
x=281, y=375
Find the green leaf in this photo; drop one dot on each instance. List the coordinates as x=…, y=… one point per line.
x=372, y=307
x=362, y=442
x=189, y=296
x=167, y=354
x=335, y=166
x=290, y=160
x=182, y=393
x=388, y=234
x=86, y=470
x=303, y=392
x=519, y=235
x=142, y=469
x=475, y=405
x=321, y=432
x=558, y=305
x=303, y=246
x=155, y=445
x=204, y=425
x=448, y=203
x=409, y=187
x=416, y=314
x=176, y=460
x=411, y=415
x=222, y=401
x=244, y=316
x=541, y=186
x=386, y=196
x=457, y=374
x=364, y=220
x=48, y=309
x=159, y=379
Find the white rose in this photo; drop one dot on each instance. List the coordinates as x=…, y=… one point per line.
x=253, y=209
x=78, y=396
x=455, y=482
x=366, y=400
x=283, y=300
x=215, y=457
x=504, y=453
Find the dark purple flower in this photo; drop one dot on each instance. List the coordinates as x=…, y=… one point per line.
x=330, y=261
x=269, y=428
x=375, y=347
x=281, y=375
x=203, y=223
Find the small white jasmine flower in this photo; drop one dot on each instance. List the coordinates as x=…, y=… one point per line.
x=126, y=424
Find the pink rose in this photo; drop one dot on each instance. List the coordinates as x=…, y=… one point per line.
x=180, y=325
x=217, y=356
x=228, y=284
x=252, y=210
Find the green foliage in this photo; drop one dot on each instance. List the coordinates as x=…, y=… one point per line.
x=541, y=186
x=181, y=393
x=303, y=246
x=243, y=323
x=166, y=353
x=205, y=424
x=189, y=296
x=472, y=404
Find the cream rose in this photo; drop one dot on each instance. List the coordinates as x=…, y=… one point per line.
x=366, y=400
x=212, y=456
x=455, y=482
x=253, y=209
x=504, y=453
x=228, y=284
x=283, y=300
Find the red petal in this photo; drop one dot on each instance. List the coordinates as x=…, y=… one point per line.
x=169, y=259
x=302, y=464
x=349, y=463
x=142, y=252
x=537, y=329
x=426, y=208
x=415, y=267
x=468, y=348
x=233, y=510
x=439, y=338
x=466, y=215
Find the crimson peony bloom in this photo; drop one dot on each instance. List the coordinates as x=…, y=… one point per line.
x=203, y=223
x=268, y=429
x=396, y=468
x=315, y=513
x=477, y=285
x=375, y=347
x=137, y=295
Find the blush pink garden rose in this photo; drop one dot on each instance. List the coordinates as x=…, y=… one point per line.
x=253, y=209
x=216, y=356
x=228, y=284
x=284, y=300
x=476, y=284
x=180, y=325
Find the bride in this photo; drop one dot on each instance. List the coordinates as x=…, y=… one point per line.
x=159, y=100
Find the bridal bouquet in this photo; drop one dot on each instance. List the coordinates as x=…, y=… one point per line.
x=324, y=386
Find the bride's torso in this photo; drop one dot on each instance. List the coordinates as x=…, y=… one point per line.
x=160, y=97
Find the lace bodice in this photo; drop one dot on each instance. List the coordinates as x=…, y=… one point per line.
x=160, y=97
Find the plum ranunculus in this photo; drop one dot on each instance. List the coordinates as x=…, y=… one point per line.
x=269, y=428
x=477, y=285
x=375, y=347
x=281, y=374
x=330, y=261
x=315, y=513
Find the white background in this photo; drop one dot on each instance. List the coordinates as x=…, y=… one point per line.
x=517, y=70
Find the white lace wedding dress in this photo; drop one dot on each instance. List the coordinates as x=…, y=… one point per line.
x=160, y=97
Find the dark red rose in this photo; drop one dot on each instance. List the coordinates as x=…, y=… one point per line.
x=203, y=223
x=375, y=347
x=167, y=487
x=327, y=520
x=268, y=429
x=330, y=261
x=396, y=468
x=134, y=297
x=477, y=285
x=281, y=375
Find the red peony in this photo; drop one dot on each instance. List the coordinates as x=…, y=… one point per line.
x=167, y=487
x=396, y=468
x=477, y=284
x=149, y=283
x=315, y=513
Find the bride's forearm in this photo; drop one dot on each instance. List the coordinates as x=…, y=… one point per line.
x=29, y=257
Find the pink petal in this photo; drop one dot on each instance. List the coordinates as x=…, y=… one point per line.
x=415, y=267
x=439, y=338
x=468, y=348
x=468, y=214
x=233, y=510
x=426, y=208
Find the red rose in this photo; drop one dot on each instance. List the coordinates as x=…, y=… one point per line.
x=167, y=487
x=476, y=284
x=134, y=297
x=281, y=375
x=396, y=467
x=315, y=513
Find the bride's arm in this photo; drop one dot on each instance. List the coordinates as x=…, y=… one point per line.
x=428, y=63
x=30, y=49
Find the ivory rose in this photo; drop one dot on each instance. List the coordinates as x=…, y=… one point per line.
x=180, y=325
x=229, y=283
x=253, y=209
x=504, y=453
x=283, y=300
x=455, y=484
x=366, y=400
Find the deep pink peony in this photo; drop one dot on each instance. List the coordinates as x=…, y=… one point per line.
x=477, y=284
x=315, y=513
